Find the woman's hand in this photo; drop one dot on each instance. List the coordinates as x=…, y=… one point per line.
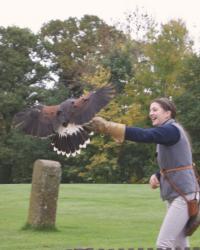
x=154, y=182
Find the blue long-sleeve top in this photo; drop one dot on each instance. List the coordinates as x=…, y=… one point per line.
x=166, y=134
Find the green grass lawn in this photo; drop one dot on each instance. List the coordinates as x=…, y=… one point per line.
x=89, y=215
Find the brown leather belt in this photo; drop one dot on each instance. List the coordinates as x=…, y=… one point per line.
x=165, y=171
x=173, y=185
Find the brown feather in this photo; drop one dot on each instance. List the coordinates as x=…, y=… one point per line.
x=49, y=111
x=37, y=121
x=84, y=108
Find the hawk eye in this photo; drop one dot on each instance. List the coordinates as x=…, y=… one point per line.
x=59, y=112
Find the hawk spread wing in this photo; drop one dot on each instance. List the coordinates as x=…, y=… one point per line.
x=64, y=122
x=85, y=107
x=37, y=121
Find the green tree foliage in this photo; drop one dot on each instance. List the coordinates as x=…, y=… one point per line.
x=74, y=47
x=119, y=61
x=19, y=70
x=163, y=59
x=189, y=103
x=78, y=55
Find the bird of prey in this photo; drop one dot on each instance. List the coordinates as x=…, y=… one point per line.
x=64, y=122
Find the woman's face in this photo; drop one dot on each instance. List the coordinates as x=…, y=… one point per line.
x=158, y=115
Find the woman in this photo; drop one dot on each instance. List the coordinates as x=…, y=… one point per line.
x=174, y=158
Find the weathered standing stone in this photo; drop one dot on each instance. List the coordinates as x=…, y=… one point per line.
x=44, y=194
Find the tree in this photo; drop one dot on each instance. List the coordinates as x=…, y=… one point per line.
x=19, y=70
x=165, y=55
x=82, y=54
x=74, y=47
x=188, y=104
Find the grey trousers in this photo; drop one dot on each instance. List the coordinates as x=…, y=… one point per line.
x=171, y=234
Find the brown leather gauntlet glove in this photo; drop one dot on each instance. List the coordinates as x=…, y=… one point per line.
x=116, y=130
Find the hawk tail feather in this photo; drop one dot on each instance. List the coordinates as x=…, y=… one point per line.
x=70, y=144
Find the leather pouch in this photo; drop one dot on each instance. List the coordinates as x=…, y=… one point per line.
x=193, y=207
x=193, y=223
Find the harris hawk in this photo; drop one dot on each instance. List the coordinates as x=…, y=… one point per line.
x=64, y=122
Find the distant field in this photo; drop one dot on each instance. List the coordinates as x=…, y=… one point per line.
x=89, y=215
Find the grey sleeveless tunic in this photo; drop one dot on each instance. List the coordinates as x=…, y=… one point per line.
x=174, y=156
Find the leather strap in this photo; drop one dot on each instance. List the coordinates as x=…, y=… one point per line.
x=165, y=171
x=175, y=187
x=196, y=171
